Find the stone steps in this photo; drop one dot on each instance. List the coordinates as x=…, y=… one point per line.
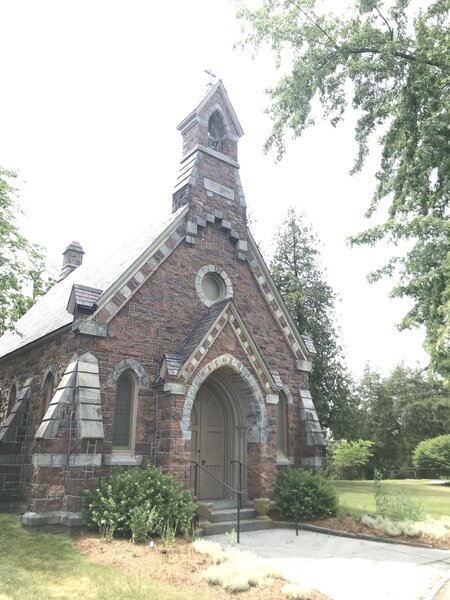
x=224, y=520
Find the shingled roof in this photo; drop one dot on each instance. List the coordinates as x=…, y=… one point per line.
x=50, y=312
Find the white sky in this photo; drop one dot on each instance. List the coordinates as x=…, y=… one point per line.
x=92, y=92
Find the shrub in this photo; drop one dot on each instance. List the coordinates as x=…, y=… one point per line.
x=347, y=460
x=394, y=505
x=438, y=529
x=304, y=495
x=143, y=522
x=237, y=571
x=433, y=454
x=113, y=506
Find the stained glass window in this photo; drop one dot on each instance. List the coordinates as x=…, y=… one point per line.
x=281, y=426
x=123, y=412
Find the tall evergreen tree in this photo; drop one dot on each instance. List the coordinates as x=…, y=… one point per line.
x=311, y=302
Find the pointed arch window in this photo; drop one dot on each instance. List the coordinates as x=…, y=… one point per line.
x=12, y=397
x=216, y=131
x=123, y=436
x=49, y=386
x=282, y=428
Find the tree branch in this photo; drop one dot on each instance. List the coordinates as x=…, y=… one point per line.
x=304, y=13
x=391, y=31
x=406, y=55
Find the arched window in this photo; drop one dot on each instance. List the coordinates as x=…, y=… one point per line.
x=216, y=131
x=47, y=394
x=124, y=413
x=12, y=397
x=282, y=437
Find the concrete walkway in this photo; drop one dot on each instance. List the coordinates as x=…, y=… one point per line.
x=346, y=568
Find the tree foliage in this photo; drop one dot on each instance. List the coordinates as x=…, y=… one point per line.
x=346, y=460
x=21, y=263
x=310, y=301
x=392, y=63
x=399, y=411
x=434, y=454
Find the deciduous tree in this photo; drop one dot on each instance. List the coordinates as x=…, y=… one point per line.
x=391, y=62
x=22, y=266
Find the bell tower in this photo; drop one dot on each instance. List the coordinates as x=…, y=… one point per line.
x=209, y=180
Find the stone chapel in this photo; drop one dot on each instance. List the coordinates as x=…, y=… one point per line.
x=175, y=349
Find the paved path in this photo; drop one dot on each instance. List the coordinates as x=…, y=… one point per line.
x=346, y=568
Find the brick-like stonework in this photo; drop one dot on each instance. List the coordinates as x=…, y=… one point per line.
x=153, y=322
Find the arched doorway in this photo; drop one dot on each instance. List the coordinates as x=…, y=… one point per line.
x=218, y=435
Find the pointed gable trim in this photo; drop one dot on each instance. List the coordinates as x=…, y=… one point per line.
x=297, y=343
x=192, y=118
x=183, y=364
x=115, y=298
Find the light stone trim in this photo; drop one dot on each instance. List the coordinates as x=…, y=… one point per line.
x=272, y=398
x=276, y=304
x=49, y=460
x=132, y=460
x=50, y=370
x=62, y=460
x=125, y=291
x=139, y=276
x=8, y=431
x=80, y=386
x=161, y=243
x=174, y=388
x=288, y=394
x=85, y=460
x=133, y=365
x=57, y=517
x=205, y=344
x=219, y=189
x=227, y=291
x=242, y=245
x=304, y=365
x=257, y=419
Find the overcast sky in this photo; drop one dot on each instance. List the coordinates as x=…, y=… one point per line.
x=92, y=92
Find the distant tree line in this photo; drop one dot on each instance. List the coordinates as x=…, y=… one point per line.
x=374, y=423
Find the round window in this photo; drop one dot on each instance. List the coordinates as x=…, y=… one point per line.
x=213, y=285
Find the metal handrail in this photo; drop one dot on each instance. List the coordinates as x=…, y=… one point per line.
x=272, y=483
x=237, y=492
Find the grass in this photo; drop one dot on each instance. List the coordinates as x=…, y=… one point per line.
x=357, y=497
x=47, y=566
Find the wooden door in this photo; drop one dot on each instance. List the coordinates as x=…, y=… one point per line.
x=208, y=443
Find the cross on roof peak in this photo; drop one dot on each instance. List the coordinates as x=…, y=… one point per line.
x=211, y=75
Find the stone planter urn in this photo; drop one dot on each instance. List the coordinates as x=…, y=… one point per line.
x=204, y=512
x=262, y=507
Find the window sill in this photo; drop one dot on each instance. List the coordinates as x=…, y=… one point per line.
x=134, y=460
x=284, y=460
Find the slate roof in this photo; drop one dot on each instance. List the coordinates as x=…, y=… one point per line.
x=309, y=344
x=175, y=360
x=83, y=298
x=50, y=312
x=200, y=330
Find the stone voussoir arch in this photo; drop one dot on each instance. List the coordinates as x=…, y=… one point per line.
x=129, y=364
x=256, y=413
x=50, y=370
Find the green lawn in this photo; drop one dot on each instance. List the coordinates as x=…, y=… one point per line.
x=45, y=566
x=358, y=496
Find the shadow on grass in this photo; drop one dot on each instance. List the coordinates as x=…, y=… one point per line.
x=47, y=566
